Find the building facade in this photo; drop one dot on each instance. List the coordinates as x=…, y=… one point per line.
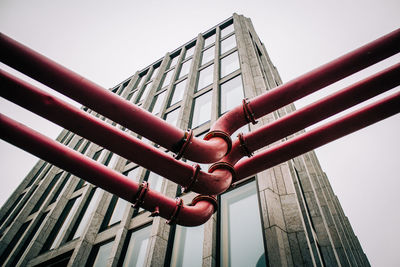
x=287, y=215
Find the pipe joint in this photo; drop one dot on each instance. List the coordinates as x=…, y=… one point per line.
x=248, y=111
x=177, y=209
x=180, y=147
x=193, y=179
x=223, y=165
x=243, y=146
x=210, y=199
x=226, y=137
x=141, y=193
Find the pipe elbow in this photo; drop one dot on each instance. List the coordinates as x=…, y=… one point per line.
x=198, y=212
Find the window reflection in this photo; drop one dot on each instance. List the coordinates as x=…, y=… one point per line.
x=228, y=44
x=231, y=94
x=188, y=246
x=136, y=252
x=145, y=91
x=189, y=52
x=177, y=94
x=208, y=55
x=241, y=230
x=227, y=30
x=172, y=117
x=133, y=174
x=167, y=78
x=205, y=77
x=202, y=109
x=102, y=254
x=229, y=64
x=185, y=68
x=118, y=211
x=155, y=181
x=158, y=101
x=209, y=40
x=173, y=62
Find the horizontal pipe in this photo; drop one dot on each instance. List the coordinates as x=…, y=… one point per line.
x=317, y=111
x=312, y=81
x=109, y=137
x=319, y=136
x=99, y=175
x=106, y=103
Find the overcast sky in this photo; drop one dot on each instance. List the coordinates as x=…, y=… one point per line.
x=107, y=41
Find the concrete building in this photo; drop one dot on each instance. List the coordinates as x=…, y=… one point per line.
x=287, y=215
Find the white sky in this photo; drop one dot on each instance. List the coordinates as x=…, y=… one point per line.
x=107, y=41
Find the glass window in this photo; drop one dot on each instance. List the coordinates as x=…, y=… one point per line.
x=231, y=94
x=112, y=161
x=208, y=55
x=133, y=174
x=64, y=221
x=228, y=44
x=173, y=61
x=205, y=77
x=209, y=40
x=87, y=213
x=244, y=130
x=188, y=246
x=178, y=91
x=103, y=252
x=172, y=117
x=202, y=109
x=167, y=78
x=185, y=68
x=154, y=73
x=189, y=51
x=155, y=181
x=135, y=254
x=145, y=92
x=118, y=211
x=229, y=64
x=158, y=101
x=227, y=30
x=241, y=231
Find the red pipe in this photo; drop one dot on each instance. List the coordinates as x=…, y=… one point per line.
x=97, y=174
x=105, y=102
x=319, y=136
x=312, y=81
x=315, y=112
x=105, y=135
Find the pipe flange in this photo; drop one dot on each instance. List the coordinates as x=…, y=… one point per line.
x=248, y=112
x=222, y=135
x=243, y=145
x=211, y=199
x=193, y=179
x=223, y=165
x=181, y=146
x=141, y=193
x=177, y=209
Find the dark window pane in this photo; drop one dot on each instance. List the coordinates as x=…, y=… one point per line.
x=178, y=92
x=229, y=64
x=228, y=44
x=231, y=94
x=208, y=55
x=205, y=77
x=188, y=246
x=241, y=230
x=202, y=109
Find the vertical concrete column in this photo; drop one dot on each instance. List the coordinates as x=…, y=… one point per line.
x=324, y=239
x=330, y=222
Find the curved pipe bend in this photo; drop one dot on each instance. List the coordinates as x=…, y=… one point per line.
x=49, y=150
x=72, y=85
